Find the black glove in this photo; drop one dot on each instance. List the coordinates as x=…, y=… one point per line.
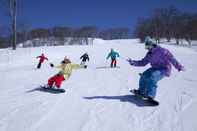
x=85, y=66
x=51, y=64
x=130, y=61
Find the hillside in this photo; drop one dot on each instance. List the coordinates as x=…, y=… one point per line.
x=96, y=99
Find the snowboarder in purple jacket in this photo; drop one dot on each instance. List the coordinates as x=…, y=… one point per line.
x=160, y=60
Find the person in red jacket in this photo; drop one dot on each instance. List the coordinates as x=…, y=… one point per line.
x=42, y=58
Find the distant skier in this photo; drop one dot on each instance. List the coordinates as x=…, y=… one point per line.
x=160, y=60
x=42, y=58
x=113, y=54
x=66, y=68
x=84, y=58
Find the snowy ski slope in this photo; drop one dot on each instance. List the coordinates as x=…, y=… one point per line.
x=95, y=99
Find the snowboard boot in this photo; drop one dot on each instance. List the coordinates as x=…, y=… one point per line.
x=149, y=98
x=152, y=101
x=56, y=87
x=138, y=92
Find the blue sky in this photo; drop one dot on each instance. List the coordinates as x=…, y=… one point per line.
x=101, y=13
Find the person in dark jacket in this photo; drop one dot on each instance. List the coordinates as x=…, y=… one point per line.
x=41, y=58
x=84, y=58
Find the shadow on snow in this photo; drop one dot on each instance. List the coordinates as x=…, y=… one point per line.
x=43, y=90
x=124, y=98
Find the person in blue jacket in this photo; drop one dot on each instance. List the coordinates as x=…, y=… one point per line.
x=113, y=54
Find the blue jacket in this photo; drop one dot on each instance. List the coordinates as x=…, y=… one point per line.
x=113, y=55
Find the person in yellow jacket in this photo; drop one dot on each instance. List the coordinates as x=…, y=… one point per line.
x=66, y=68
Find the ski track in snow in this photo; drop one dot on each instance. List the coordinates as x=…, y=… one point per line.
x=96, y=99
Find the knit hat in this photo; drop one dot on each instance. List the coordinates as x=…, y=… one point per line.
x=148, y=42
x=66, y=60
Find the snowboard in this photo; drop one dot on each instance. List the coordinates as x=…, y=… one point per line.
x=52, y=90
x=151, y=102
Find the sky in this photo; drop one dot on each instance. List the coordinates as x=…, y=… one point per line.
x=100, y=13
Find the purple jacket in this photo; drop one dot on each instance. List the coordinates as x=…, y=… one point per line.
x=159, y=58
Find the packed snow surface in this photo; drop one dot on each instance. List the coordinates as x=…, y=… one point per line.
x=96, y=98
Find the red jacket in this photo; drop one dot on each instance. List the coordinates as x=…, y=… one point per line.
x=42, y=58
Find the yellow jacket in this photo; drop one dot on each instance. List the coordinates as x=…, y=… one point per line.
x=66, y=69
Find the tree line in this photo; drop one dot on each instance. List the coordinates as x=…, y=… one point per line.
x=169, y=23
x=60, y=34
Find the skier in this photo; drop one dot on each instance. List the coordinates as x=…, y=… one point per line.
x=66, y=68
x=42, y=58
x=84, y=58
x=160, y=60
x=113, y=54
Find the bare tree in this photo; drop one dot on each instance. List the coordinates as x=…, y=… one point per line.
x=41, y=34
x=3, y=42
x=13, y=6
x=114, y=33
x=61, y=34
x=143, y=28
x=82, y=35
x=11, y=9
x=23, y=32
x=189, y=27
x=88, y=32
x=168, y=23
x=169, y=16
x=3, y=38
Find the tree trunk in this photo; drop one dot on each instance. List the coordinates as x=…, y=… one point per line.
x=14, y=25
x=177, y=41
x=168, y=39
x=189, y=41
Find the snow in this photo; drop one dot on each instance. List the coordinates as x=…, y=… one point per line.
x=95, y=99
